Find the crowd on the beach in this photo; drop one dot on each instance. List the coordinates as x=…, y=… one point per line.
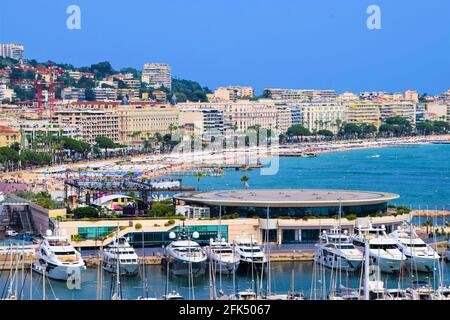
x=156, y=166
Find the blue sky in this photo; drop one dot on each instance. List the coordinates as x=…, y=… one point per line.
x=264, y=43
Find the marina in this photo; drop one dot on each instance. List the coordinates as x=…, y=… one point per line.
x=133, y=286
x=287, y=244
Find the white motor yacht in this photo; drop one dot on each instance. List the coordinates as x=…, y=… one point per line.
x=383, y=250
x=249, y=252
x=422, y=290
x=120, y=254
x=336, y=250
x=223, y=256
x=57, y=258
x=185, y=256
x=422, y=257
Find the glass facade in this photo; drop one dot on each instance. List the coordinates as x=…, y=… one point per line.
x=272, y=235
x=249, y=212
x=92, y=233
x=162, y=238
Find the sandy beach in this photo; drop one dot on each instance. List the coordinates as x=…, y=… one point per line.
x=159, y=165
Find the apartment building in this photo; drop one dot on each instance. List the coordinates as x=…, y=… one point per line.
x=445, y=97
x=398, y=108
x=284, y=118
x=6, y=93
x=233, y=93
x=299, y=94
x=8, y=136
x=76, y=94
x=12, y=50
x=411, y=95
x=240, y=115
x=92, y=123
x=347, y=97
x=436, y=111
x=157, y=75
x=105, y=94
x=370, y=95
x=321, y=115
x=132, y=83
x=141, y=121
x=203, y=122
x=77, y=75
x=133, y=94
x=32, y=129
x=362, y=111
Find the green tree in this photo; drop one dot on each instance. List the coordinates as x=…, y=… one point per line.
x=244, y=180
x=75, y=145
x=102, y=69
x=350, y=130
x=189, y=90
x=85, y=212
x=105, y=143
x=199, y=175
x=399, y=126
x=298, y=130
x=325, y=133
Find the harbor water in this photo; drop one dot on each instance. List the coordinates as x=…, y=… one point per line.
x=281, y=274
x=419, y=174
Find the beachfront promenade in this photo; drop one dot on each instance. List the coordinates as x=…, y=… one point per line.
x=153, y=166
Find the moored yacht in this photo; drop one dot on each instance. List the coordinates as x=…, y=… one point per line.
x=377, y=291
x=249, y=252
x=185, y=256
x=247, y=294
x=383, y=250
x=421, y=290
x=223, y=256
x=336, y=250
x=119, y=254
x=422, y=257
x=57, y=258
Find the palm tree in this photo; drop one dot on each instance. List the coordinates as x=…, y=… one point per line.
x=199, y=175
x=244, y=181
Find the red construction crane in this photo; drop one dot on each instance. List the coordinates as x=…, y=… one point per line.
x=53, y=74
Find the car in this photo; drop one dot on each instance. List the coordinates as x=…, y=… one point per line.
x=11, y=233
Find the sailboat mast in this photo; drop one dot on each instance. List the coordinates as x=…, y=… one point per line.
x=118, y=293
x=220, y=252
x=31, y=280
x=268, y=288
x=366, y=269
x=43, y=283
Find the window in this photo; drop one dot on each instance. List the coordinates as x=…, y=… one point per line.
x=66, y=253
x=383, y=246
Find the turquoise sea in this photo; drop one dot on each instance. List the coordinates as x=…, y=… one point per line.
x=419, y=174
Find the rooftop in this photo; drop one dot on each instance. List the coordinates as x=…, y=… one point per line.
x=287, y=197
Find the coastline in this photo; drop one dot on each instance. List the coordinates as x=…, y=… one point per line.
x=161, y=165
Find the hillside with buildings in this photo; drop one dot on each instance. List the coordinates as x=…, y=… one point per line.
x=47, y=106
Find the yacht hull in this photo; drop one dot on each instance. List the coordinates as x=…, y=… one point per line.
x=182, y=268
x=130, y=269
x=225, y=267
x=343, y=263
x=61, y=273
x=422, y=264
x=388, y=265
